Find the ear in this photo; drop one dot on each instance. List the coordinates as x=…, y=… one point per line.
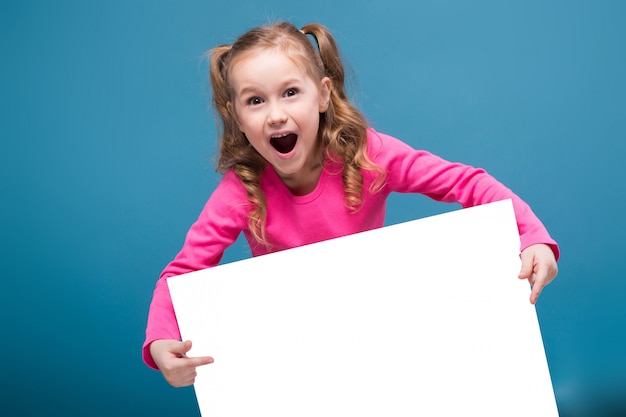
x=233, y=114
x=325, y=88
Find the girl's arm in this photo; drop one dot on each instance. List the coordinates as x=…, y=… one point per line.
x=418, y=171
x=217, y=227
x=410, y=170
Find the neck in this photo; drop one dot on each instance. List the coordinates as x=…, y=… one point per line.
x=303, y=182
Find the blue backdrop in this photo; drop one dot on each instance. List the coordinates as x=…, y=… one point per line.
x=108, y=140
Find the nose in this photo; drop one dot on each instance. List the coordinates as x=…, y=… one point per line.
x=276, y=114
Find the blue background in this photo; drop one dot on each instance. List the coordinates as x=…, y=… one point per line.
x=108, y=140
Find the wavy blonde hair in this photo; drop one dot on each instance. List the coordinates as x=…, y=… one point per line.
x=342, y=131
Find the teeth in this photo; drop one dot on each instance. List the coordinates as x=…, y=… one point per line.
x=279, y=136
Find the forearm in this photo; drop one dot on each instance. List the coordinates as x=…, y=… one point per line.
x=162, y=322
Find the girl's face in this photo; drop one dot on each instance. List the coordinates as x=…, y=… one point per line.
x=277, y=106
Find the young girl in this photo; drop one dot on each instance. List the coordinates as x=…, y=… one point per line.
x=300, y=165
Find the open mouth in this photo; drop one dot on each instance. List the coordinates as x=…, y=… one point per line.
x=285, y=143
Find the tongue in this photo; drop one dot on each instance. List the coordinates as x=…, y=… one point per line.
x=284, y=144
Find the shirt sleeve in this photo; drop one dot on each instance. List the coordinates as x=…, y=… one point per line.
x=219, y=224
x=417, y=171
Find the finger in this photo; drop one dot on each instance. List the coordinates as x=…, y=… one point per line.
x=200, y=361
x=537, y=288
x=185, y=373
x=540, y=279
x=181, y=377
x=185, y=347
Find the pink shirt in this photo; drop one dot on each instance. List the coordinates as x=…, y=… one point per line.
x=298, y=220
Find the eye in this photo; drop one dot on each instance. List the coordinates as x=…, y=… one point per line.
x=290, y=92
x=254, y=101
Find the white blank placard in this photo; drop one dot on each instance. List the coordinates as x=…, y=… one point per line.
x=422, y=318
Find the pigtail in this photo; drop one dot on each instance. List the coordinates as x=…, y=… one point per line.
x=329, y=53
x=235, y=152
x=343, y=126
x=217, y=76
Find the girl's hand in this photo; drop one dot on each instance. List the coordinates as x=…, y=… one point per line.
x=538, y=267
x=171, y=358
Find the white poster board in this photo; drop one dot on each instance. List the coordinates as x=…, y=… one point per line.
x=424, y=318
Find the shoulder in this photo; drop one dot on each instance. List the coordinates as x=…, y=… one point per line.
x=229, y=197
x=378, y=142
x=384, y=149
x=230, y=185
x=408, y=169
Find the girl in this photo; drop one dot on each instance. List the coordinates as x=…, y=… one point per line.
x=300, y=165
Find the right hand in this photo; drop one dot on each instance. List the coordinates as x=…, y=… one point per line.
x=177, y=368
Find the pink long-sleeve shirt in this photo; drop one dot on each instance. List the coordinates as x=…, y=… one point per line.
x=322, y=214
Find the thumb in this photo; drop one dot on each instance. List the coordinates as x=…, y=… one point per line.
x=526, y=270
x=181, y=348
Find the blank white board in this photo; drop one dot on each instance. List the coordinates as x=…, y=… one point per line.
x=422, y=318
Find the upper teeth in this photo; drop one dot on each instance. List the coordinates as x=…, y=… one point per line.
x=279, y=136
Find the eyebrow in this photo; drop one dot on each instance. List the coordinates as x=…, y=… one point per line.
x=253, y=89
x=246, y=90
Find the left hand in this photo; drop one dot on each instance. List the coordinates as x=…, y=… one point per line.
x=538, y=267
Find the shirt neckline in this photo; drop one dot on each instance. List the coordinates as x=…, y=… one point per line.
x=300, y=199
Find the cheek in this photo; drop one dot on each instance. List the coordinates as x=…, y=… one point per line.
x=308, y=114
x=254, y=133
x=312, y=118
x=257, y=145
x=249, y=123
